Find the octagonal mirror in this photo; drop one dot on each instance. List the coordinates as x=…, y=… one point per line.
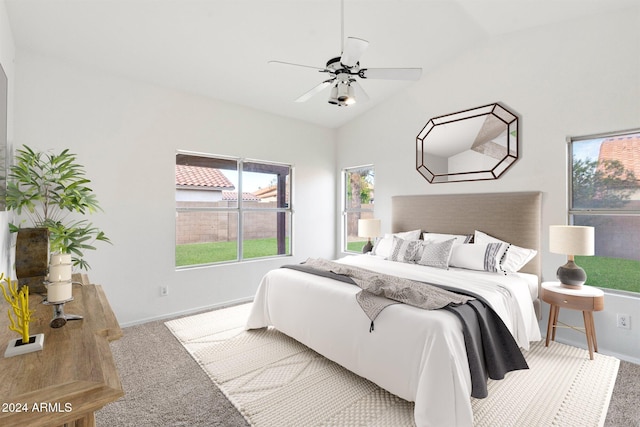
x=471, y=145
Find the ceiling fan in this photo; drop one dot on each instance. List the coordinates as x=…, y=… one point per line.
x=344, y=71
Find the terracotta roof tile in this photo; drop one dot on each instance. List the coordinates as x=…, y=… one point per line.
x=194, y=176
x=233, y=195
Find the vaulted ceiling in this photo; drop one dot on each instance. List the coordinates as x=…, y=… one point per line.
x=221, y=48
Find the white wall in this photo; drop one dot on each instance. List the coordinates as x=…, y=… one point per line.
x=126, y=133
x=572, y=79
x=7, y=55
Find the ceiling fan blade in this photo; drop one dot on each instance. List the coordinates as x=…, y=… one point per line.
x=391, y=73
x=359, y=93
x=314, y=90
x=353, y=50
x=296, y=65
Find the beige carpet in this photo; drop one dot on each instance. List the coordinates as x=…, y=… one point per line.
x=273, y=381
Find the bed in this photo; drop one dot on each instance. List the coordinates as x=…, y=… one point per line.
x=418, y=355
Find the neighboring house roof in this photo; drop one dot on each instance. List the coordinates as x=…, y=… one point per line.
x=270, y=193
x=199, y=177
x=264, y=193
x=626, y=149
x=233, y=196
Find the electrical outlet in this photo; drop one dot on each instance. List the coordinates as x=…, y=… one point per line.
x=164, y=290
x=624, y=321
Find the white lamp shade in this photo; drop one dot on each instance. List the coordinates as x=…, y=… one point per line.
x=369, y=228
x=571, y=239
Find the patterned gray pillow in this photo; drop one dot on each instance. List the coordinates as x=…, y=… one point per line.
x=404, y=250
x=436, y=254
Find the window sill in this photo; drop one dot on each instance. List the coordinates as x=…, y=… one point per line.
x=620, y=293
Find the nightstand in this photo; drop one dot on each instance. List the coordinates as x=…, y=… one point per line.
x=586, y=299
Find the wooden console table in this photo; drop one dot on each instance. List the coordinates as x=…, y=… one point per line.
x=73, y=376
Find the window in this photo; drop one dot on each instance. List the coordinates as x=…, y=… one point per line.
x=230, y=209
x=358, y=199
x=604, y=192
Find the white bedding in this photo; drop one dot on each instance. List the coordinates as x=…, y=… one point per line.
x=418, y=355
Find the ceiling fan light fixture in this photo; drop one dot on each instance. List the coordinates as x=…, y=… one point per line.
x=333, y=96
x=351, y=97
x=343, y=91
x=342, y=94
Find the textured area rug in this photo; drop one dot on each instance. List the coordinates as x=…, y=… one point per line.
x=274, y=381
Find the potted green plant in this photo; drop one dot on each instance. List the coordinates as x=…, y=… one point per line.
x=47, y=189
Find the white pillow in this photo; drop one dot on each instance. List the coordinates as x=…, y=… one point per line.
x=384, y=245
x=409, y=235
x=435, y=254
x=478, y=256
x=439, y=237
x=515, y=258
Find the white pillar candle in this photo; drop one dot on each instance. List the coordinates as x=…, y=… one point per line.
x=60, y=259
x=59, y=272
x=59, y=291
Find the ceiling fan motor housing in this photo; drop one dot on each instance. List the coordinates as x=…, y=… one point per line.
x=336, y=67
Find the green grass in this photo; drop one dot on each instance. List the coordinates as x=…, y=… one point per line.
x=611, y=273
x=356, y=246
x=208, y=253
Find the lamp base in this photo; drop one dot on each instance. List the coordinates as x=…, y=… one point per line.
x=368, y=247
x=571, y=275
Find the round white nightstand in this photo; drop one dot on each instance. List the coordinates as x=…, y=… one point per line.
x=586, y=299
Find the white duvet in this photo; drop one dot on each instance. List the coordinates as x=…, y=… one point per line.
x=419, y=355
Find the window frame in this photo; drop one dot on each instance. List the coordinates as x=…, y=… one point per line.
x=346, y=210
x=239, y=209
x=573, y=211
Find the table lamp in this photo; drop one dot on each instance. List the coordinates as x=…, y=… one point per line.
x=368, y=228
x=571, y=240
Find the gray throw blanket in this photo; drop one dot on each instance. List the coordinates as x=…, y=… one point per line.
x=491, y=349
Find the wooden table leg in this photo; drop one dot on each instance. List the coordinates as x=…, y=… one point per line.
x=88, y=420
x=551, y=326
x=556, y=312
x=593, y=332
x=590, y=330
x=588, y=333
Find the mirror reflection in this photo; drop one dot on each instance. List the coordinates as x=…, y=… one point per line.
x=476, y=144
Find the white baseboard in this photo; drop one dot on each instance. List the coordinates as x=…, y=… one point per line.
x=601, y=350
x=187, y=312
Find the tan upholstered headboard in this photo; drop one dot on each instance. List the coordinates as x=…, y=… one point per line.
x=512, y=217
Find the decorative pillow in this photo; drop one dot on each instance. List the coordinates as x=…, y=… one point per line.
x=515, y=257
x=404, y=250
x=439, y=237
x=478, y=256
x=383, y=245
x=409, y=235
x=436, y=254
